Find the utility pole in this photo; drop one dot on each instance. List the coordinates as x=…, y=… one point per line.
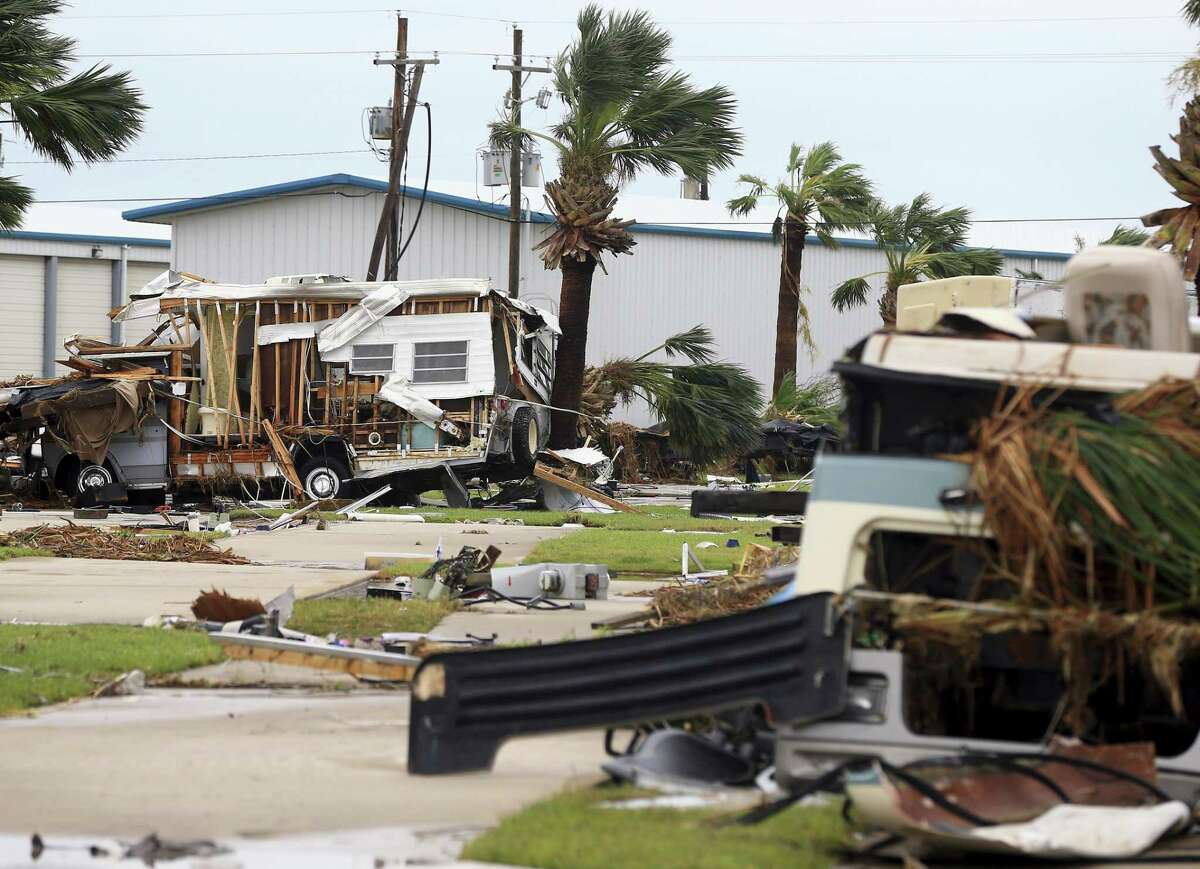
x=514, y=163
x=388, y=230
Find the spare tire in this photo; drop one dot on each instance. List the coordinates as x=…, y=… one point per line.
x=525, y=438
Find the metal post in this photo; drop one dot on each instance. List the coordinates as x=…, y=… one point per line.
x=514, y=175
x=49, y=315
x=120, y=273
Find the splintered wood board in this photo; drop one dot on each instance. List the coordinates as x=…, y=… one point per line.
x=543, y=473
x=363, y=663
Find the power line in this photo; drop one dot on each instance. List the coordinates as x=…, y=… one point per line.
x=216, y=199
x=1009, y=57
x=208, y=157
x=723, y=22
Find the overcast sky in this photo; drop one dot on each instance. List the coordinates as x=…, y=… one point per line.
x=1010, y=136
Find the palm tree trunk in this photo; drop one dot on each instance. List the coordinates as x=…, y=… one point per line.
x=788, y=309
x=887, y=303
x=574, y=303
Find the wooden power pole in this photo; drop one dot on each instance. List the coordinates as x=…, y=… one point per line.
x=404, y=106
x=514, y=163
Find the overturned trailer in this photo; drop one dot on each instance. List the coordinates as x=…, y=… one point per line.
x=898, y=636
x=312, y=380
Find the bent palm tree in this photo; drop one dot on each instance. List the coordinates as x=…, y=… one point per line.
x=90, y=116
x=919, y=241
x=626, y=113
x=821, y=194
x=1179, y=228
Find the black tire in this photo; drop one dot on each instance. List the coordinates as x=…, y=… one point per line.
x=525, y=438
x=323, y=479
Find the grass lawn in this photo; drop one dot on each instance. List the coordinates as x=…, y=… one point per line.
x=647, y=518
x=367, y=617
x=571, y=831
x=643, y=551
x=59, y=663
x=7, y=552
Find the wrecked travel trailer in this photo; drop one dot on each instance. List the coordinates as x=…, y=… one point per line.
x=912, y=628
x=314, y=381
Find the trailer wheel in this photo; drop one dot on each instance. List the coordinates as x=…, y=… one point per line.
x=92, y=476
x=322, y=478
x=526, y=439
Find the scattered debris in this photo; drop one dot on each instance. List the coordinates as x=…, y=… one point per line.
x=75, y=541
x=349, y=509
x=218, y=606
x=133, y=682
x=363, y=663
x=755, y=503
x=150, y=850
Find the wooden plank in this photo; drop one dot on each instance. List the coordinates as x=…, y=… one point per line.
x=543, y=473
x=80, y=364
x=255, y=376
x=278, y=351
x=175, y=409
x=236, y=400
x=318, y=657
x=283, y=458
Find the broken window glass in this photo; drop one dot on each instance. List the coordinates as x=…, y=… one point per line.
x=440, y=362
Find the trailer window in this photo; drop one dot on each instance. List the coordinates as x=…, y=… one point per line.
x=372, y=359
x=440, y=362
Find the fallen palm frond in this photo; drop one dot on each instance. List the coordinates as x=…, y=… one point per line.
x=75, y=541
x=1092, y=646
x=1096, y=507
x=709, y=408
x=817, y=402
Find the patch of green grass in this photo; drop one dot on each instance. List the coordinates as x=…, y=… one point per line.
x=648, y=518
x=405, y=567
x=643, y=551
x=59, y=663
x=7, y=552
x=367, y=617
x=571, y=831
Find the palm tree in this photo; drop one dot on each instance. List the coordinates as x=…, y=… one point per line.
x=919, y=241
x=820, y=194
x=89, y=116
x=625, y=112
x=1179, y=228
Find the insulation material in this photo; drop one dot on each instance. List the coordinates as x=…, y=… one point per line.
x=399, y=392
x=361, y=317
x=219, y=330
x=404, y=333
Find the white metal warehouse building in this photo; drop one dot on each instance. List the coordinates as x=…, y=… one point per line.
x=56, y=284
x=694, y=265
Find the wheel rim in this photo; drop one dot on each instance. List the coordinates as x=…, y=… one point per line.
x=532, y=436
x=94, y=477
x=322, y=484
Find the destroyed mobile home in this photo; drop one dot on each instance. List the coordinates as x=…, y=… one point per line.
x=1000, y=551
x=313, y=381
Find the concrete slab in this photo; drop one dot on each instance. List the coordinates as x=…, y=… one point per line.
x=76, y=590
x=350, y=541
x=193, y=764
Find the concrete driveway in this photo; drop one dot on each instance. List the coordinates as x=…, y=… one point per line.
x=223, y=763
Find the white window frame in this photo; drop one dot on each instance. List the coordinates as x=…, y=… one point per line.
x=356, y=361
x=466, y=366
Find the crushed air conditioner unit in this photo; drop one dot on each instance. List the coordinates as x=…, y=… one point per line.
x=553, y=581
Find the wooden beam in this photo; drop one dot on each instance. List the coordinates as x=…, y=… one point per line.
x=175, y=409
x=543, y=473
x=283, y=458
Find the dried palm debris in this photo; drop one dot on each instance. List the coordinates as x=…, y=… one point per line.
x=1092, y=646
x=75, y=541
x=1096, y=507
x=220, y=606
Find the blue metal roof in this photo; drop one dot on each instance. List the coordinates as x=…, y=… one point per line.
x=22, y=235
x=342, y=179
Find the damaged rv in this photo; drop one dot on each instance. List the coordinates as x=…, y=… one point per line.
x=312, y=381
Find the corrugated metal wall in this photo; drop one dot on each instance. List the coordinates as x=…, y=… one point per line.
x=670, y=283
x=22, y=285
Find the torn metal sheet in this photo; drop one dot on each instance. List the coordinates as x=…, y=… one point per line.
x=398, y=390
x=281, y=333
x=361, y=317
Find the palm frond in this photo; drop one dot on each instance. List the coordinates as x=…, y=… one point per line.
x=695, y=344
x=1191, y=11
x=15, y=198
x=1129, y=236
x=1030, y=275
x=851, y=294
x=817, y=402
x=92, y=116
x=30, y=55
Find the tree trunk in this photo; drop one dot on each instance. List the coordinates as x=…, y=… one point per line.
x=887, y=304
x=574, y=303
x=787, y=317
